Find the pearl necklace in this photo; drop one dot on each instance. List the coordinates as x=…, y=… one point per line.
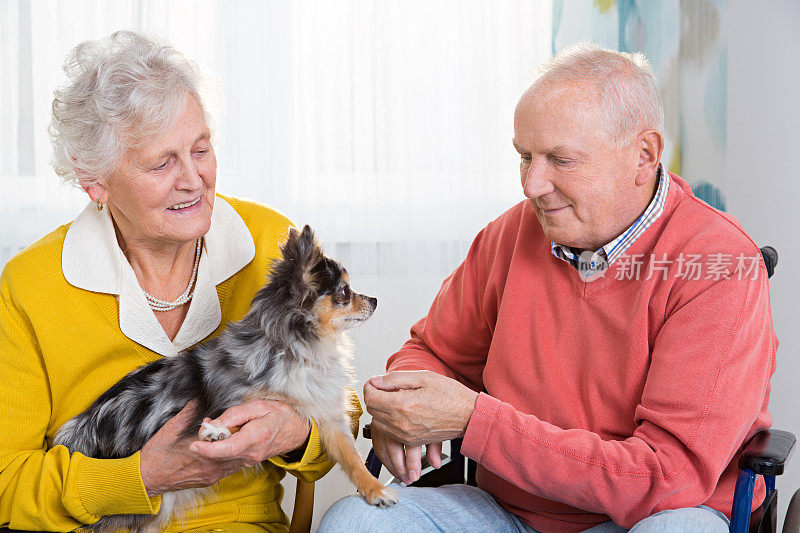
x=161, y=305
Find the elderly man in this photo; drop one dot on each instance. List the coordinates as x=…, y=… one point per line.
x=604, y=350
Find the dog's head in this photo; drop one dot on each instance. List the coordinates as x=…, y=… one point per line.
x=314, y=290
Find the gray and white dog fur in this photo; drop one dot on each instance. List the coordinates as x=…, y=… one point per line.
x=290, y=346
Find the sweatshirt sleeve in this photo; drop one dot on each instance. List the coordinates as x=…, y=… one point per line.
x=41, y=488
x=453, y=338
x=706, y=388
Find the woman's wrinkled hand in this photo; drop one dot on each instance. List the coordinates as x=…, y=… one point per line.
x=268, y=428
x=170, y=462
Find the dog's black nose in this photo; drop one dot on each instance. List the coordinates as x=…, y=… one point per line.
x=373, y=301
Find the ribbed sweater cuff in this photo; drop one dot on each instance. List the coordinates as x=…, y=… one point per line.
x=479, y=427
x=314, y=452
x=113, y=486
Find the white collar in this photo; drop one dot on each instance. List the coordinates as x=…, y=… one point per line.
x=92, y=260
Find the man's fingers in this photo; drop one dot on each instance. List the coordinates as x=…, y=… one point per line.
x=399, y=379
x=387, y=405
x=433, y=452
x=397, y=456
x=413, y=463
x=381, y=403
x=369, y=394
x=387, y=430
x=379, y=445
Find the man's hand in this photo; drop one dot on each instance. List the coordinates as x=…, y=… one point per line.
x=404, y=462
x=170, y=463
x=410, y=409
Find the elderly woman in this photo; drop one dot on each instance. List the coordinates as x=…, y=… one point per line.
x=155, y=264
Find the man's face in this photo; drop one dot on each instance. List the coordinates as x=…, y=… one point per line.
x=581, y=187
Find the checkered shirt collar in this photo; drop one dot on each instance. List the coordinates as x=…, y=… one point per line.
x=606, y=255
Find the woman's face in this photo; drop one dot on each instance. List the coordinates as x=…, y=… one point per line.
x=163, y=193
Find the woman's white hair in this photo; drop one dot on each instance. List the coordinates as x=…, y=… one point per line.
x=122, y=91
x=628, y=94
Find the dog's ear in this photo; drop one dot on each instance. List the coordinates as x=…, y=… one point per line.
x=301, y=253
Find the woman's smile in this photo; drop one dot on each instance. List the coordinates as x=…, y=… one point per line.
x=187, y=207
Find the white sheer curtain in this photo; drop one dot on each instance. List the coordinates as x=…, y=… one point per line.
x=408, y=110
x=386, y=125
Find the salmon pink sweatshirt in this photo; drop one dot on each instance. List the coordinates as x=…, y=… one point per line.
x=615, y=398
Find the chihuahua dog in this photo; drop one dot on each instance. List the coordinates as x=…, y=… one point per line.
x=290, y=347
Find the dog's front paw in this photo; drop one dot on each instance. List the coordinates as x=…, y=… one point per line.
x=379, y=495
x=210, y=432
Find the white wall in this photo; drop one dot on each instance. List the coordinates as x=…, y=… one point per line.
x=762, y=178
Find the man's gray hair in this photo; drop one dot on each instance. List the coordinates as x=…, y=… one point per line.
x=122, y=91
x=626, y=86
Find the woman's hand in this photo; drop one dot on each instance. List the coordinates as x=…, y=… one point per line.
x=170, y=463
x=268, y=428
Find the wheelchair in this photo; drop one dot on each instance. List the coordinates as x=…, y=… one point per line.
x=765, y=454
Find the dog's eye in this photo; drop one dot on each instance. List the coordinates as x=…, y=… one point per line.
x=344, y=293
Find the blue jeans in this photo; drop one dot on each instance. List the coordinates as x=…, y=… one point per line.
x=460, y=508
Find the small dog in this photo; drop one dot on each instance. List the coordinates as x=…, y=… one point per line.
x=289, y=347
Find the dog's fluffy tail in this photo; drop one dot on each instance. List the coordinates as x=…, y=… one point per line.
x=70, y=433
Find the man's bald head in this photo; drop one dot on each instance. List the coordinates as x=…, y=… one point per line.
x=621, y=84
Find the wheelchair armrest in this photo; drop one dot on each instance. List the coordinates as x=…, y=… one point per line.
x=767, y=452
x=770, y=256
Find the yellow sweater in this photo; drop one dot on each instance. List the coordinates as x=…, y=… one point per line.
x=60, y=348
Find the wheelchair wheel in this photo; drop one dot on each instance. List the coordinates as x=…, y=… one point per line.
x=791, y=522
